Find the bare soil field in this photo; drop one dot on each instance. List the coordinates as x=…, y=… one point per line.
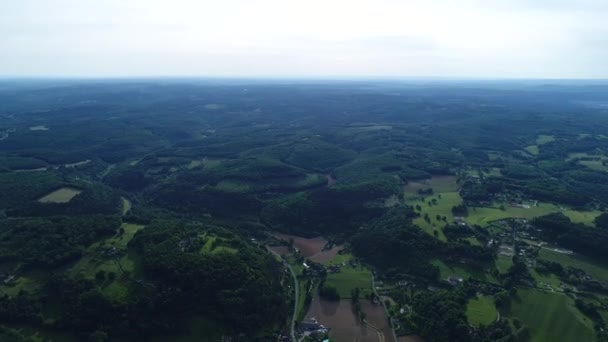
x=307, y=247
x=327, y=255
x=340, y=318
x=375, y=315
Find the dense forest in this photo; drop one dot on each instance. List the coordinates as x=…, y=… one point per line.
x=143, y=209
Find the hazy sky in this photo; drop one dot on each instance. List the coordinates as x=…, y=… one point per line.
x=283, y=38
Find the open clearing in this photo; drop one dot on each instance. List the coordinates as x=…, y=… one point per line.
x=544, y=139
x=551, y=317
x=61, y=195
x=39, y=128
x=445, y=194
x=349, y=278
x=126, y=205
x=482, y=216
x=442, y=207
x=481, y=310
x=592, y=161
x=584, y=217
x=532, y=149
x=591, y=267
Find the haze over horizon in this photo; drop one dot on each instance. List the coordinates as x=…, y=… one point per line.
x=272, y=38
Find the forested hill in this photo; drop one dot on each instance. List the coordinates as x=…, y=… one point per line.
x=142, y=208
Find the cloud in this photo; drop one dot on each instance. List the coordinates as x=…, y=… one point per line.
x=468, y=38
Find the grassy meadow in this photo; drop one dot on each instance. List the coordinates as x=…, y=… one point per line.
x=551, y=317
x=350, y=278
x=445, y=193
x=594, y=268
x=62, y=195
x=481, y=310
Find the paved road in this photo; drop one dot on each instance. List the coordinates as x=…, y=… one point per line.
x=297, y=290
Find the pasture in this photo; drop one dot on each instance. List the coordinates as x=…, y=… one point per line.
x=445, y=196
x=442, y=207
x=61, y=195
x=551, y=316
x=544, y=139
x=532, y=149
x=482, y=216
x=547, y=281
x=584, y=217
x=349, y=278
x=594, y=268
x=481, y=310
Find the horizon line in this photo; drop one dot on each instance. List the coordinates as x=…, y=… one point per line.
x=292, y=78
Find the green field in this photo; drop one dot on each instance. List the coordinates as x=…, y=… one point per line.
x=350, y=278
x=584, y=217
x=126, y=205
x=597, y=165
x=29, y=282
x=544, y=139
x=546, y=281
x=481, y=310
x=443, y=207
x=503, y=263
x=592, y=267
x=62, y=195
x=483, y=216
x=532, y=149
x=551, y=317
x=592, y=161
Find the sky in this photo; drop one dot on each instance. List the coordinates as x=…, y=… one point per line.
x=305, y=38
